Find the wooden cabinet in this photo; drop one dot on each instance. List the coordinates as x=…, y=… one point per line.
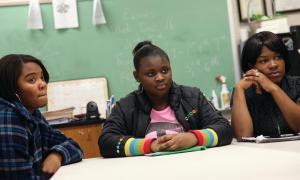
x=86, y=135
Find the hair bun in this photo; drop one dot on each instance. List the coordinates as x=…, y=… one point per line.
x=140, y=45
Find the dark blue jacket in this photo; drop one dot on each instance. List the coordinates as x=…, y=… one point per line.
x=25, y=141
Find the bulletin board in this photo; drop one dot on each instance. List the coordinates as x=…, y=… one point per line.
x=77, y=93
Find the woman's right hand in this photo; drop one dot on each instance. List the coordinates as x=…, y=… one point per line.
x=248, y=80
x=173, y=142
x=159, y=144
x=51, y=164
x=155, y=146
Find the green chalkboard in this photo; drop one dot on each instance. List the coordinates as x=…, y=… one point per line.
x=195, y=34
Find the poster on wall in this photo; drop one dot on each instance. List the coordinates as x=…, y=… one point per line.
x=35, y=21
x=286, y=5
x=98, y=15
x=250, y=8
x=65, y=14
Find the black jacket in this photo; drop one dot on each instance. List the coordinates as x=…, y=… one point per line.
x=131, y=117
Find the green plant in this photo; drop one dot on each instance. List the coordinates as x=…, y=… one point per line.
x=256, y=17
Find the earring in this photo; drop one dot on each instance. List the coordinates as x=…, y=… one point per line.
x=141, y=89
x=18, y=97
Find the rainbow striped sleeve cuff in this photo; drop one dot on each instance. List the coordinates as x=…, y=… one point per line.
x=206, y=137
x=135, y=147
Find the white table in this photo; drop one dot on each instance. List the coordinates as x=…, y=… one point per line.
x=240, y=161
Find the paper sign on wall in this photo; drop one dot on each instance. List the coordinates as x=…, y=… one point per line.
x=98, y=15
x=34, y=15
x=65, y=13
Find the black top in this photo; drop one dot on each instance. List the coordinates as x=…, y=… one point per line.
x=131, y=117
x=266, y=116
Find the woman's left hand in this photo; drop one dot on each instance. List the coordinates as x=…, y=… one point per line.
x=51, y=164
x=177, y=141
x=264, y=82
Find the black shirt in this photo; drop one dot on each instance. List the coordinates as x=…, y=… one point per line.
x=266, y=116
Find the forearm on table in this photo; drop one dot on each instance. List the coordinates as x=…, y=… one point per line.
x=240, y=117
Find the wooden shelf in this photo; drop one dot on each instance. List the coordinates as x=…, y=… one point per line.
x=86, y=135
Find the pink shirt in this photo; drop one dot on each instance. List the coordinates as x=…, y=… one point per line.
x=163, y=122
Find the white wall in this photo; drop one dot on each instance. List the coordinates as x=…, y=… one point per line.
x=235, y=36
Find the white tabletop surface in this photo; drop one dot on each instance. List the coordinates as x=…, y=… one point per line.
x=240, y=161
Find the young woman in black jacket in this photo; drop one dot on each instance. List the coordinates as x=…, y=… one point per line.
x=160, y=115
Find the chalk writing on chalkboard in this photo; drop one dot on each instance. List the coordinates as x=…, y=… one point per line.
x=196, y=38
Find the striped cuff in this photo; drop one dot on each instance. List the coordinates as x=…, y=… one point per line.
x=206, y=137
x=135, y=147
